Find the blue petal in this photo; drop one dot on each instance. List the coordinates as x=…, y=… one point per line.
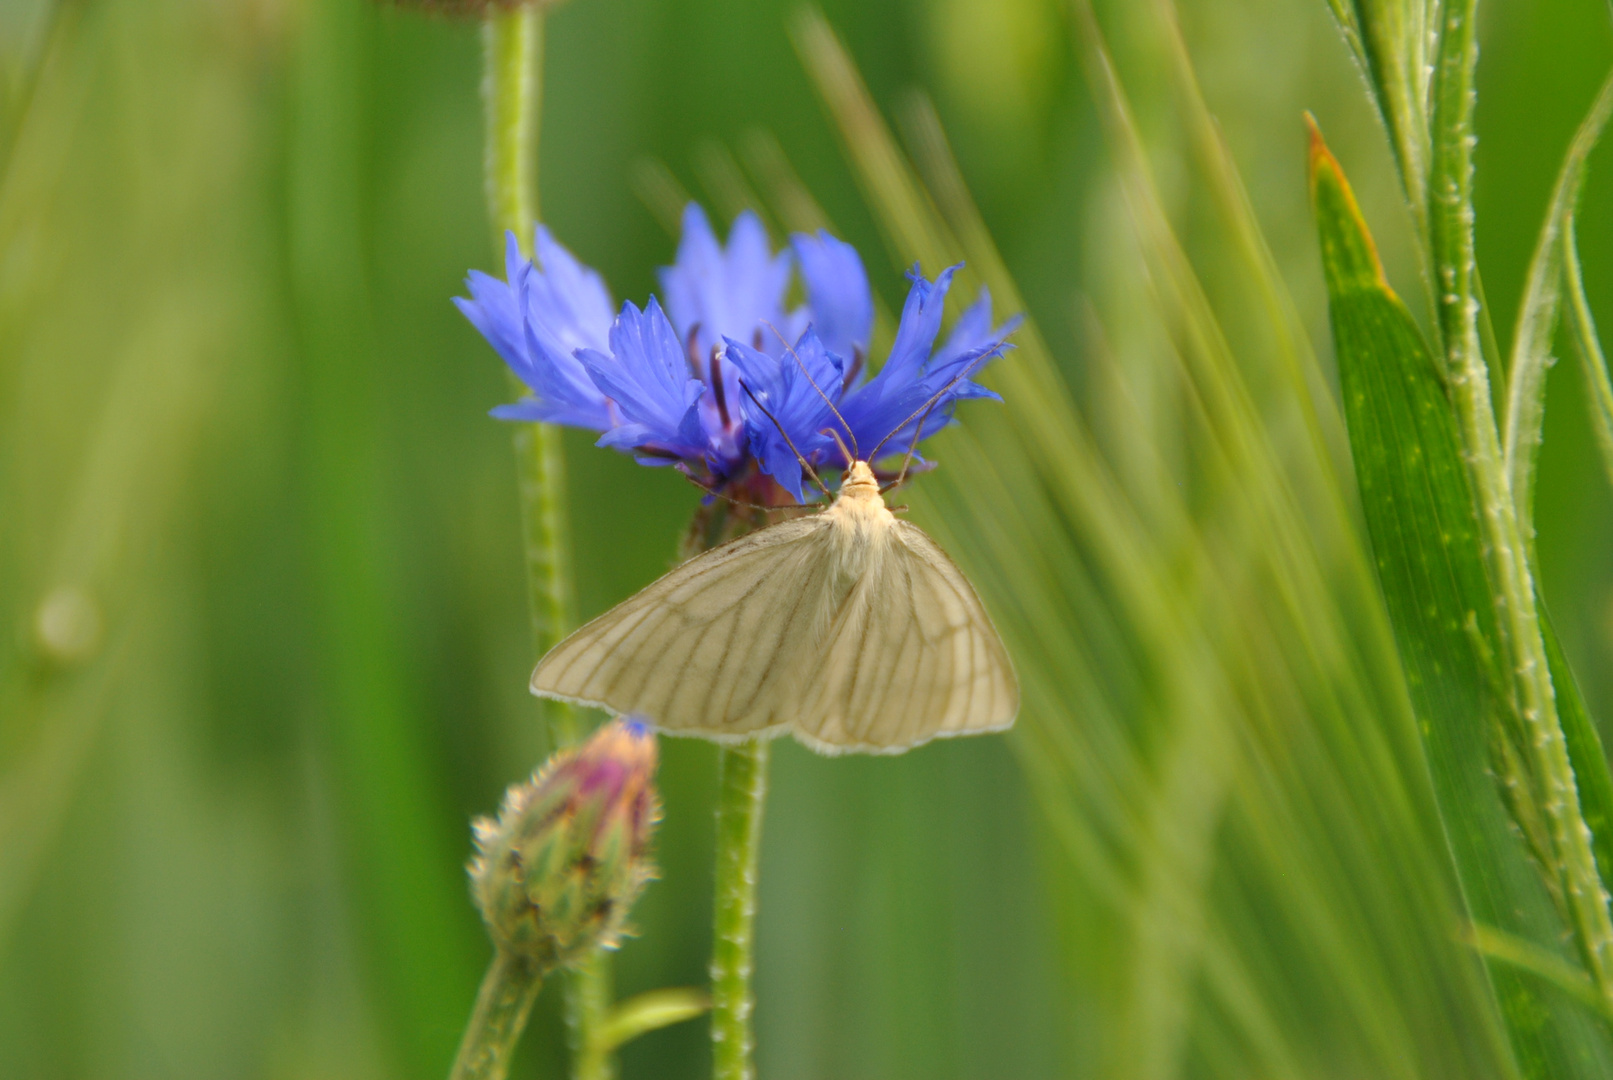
x=516, y=265
x=734, y=290
x=528, y=408
x=945, y=388
x=842, y=307
x=791, y=401
x=536, y=319
x=566, y=298
x=920, y=322
x=877, y=408
x=973, y=331
x=563, y=384
x=492, y=310
x=915, y=392
x=627, y=436
x=756, y=281
x=648, y=379
x=699, y=261
x=714, y=292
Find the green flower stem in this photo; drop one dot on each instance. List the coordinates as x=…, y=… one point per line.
x=512, y=91
x=502, y=1006
x=588, y=1011
x=545, y=529
x=512, y=88
x=742, y=788
x=512, y=58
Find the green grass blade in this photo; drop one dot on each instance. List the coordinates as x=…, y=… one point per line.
x=1448, y=214
x=1546, y=789
x=1584, y=743
x=1527, y=957
x=1582, y=331
x=1585, y=749
x=1526, y=402
x=1389, y=40
x=1421, y=514
x=1537, y=315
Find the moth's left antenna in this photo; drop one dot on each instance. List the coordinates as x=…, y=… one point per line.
x=852, y=435
x=805, y=464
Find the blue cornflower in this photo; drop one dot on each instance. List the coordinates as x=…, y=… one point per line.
x=694, y=384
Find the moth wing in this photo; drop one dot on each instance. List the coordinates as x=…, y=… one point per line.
x=710, y=647
x=912, y=656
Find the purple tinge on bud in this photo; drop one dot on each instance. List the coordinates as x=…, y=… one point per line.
x=557, y=873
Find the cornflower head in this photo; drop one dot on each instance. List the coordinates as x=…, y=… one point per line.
x=725, y=382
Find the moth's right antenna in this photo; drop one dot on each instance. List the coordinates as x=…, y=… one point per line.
x=805, y=464
x=913, y=446
x=937, y=396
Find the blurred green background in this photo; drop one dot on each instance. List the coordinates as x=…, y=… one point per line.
x=263, y=646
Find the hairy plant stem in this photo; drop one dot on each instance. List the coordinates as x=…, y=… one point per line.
x=742, y=789
x=512, y=66
x=505, y=1000
x=512, y=86
x=1451, y=241
x=512, y=89
x=588, y=1012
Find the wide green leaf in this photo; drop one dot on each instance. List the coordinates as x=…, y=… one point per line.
x=1420, y=511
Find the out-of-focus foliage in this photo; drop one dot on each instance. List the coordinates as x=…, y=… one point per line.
x=264, y=646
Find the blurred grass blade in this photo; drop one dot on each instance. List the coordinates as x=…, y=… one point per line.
x=660, y=193
x=1582, y=331
x=906, y=212
x=1538, y=313
x=725, y=184
x=1214, y=723
x=792, y=203
x=1421, y=514
x=416, y=920
x=1305, y=380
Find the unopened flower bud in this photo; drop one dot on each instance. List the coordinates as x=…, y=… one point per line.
x=557, y=873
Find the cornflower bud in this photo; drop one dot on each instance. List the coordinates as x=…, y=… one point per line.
x=557, y=873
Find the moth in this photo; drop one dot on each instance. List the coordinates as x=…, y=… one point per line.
x=849, y=629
